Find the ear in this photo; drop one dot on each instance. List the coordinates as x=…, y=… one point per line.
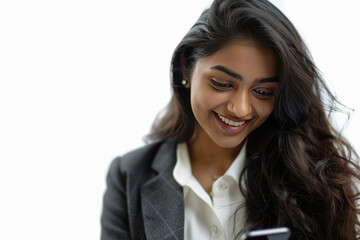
x=183, y=70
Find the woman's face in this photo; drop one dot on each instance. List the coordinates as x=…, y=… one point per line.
x=233, y=91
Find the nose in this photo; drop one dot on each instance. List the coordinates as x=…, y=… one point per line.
x=240, y=104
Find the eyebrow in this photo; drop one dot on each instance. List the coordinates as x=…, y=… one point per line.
x=239, y=77
x=227, y=71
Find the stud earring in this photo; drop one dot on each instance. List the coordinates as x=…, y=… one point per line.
x=184, y=82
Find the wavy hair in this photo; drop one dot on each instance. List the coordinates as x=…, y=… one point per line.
x=300, y=172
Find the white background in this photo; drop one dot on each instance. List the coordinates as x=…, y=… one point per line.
x=82, y=80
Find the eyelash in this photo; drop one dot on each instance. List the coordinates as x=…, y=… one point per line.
x=221, y=85
x=263, y=94
x=258, y=92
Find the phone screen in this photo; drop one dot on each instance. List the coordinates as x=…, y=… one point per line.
x=282, y=233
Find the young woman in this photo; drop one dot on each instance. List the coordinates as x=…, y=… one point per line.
x=245, y=142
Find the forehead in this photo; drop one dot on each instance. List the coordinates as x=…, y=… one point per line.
x=247, y=57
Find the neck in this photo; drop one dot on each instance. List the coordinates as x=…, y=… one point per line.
x=205, y=153
x=208, y=160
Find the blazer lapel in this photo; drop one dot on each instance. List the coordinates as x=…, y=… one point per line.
x=162, y=199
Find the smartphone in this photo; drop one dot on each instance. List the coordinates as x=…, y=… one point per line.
x=282, y=233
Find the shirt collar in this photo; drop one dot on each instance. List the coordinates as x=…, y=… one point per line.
x=237, y=166
x=182, y=170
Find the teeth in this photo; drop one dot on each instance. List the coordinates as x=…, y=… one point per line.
x=230, y=122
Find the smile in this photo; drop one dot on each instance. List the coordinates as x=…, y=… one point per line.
x=230, y=122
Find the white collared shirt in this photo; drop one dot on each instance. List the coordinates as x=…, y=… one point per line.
x=206, y=217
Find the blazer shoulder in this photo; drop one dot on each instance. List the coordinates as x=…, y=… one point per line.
x=136, y=159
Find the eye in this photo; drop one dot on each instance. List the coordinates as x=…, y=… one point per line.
x=218, y=85
x=263, y=93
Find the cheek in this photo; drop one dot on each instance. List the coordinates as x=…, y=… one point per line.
x=204, y=97
x=264, y=108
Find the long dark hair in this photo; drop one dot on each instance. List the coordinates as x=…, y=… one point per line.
x=300, y=171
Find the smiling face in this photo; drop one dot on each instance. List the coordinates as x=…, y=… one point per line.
x=233, y=92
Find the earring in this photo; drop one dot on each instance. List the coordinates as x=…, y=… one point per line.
x=184, y=82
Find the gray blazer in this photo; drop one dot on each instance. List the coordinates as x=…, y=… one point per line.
x=142, y=199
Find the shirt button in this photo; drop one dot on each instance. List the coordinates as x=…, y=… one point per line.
x=213, y=230
x=222, y=186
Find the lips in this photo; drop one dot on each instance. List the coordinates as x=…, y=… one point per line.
x=231, y=125
x=231, y=122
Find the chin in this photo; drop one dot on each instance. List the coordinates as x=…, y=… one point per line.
x=230, y=143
